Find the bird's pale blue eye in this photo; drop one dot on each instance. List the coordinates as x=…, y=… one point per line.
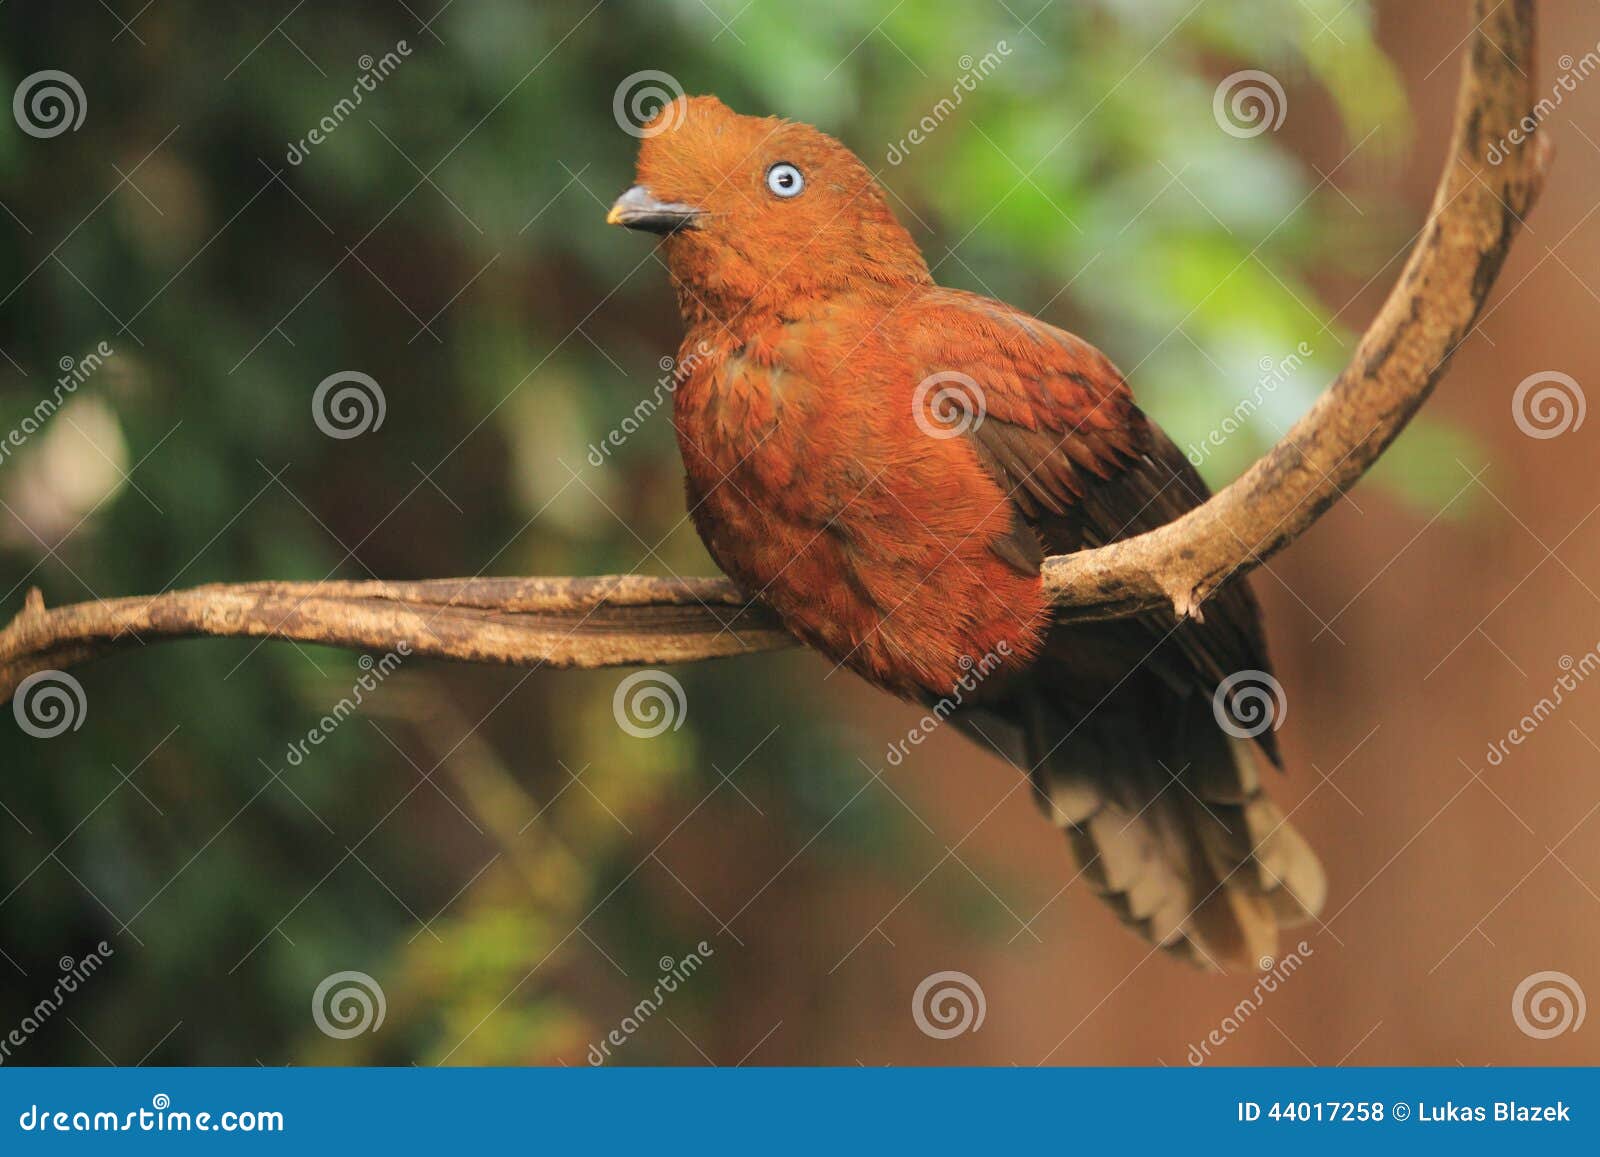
x=785, y=180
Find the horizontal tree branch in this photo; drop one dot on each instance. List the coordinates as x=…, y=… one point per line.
x=559, y=622
x=623, y=620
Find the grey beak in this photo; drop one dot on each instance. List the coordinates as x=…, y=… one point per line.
x=637, y=209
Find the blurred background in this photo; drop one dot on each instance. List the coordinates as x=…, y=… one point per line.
x=512, y=870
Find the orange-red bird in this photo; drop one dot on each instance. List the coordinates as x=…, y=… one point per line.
x=885, y=462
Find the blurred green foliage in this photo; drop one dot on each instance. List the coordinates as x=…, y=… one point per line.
x=447, y=239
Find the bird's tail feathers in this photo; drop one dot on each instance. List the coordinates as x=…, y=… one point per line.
x=1178, y=838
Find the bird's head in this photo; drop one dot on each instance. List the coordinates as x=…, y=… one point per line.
x=757, y=211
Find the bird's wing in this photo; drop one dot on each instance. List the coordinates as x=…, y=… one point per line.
x=1056, y=426
x=1113, y=715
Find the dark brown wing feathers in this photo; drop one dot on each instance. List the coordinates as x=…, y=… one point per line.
x=1163, y=810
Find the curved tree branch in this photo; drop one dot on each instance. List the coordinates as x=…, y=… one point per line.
x=596, y=622
x=1429, y=313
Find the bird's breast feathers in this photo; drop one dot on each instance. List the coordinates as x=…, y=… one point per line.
x=829, y=480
